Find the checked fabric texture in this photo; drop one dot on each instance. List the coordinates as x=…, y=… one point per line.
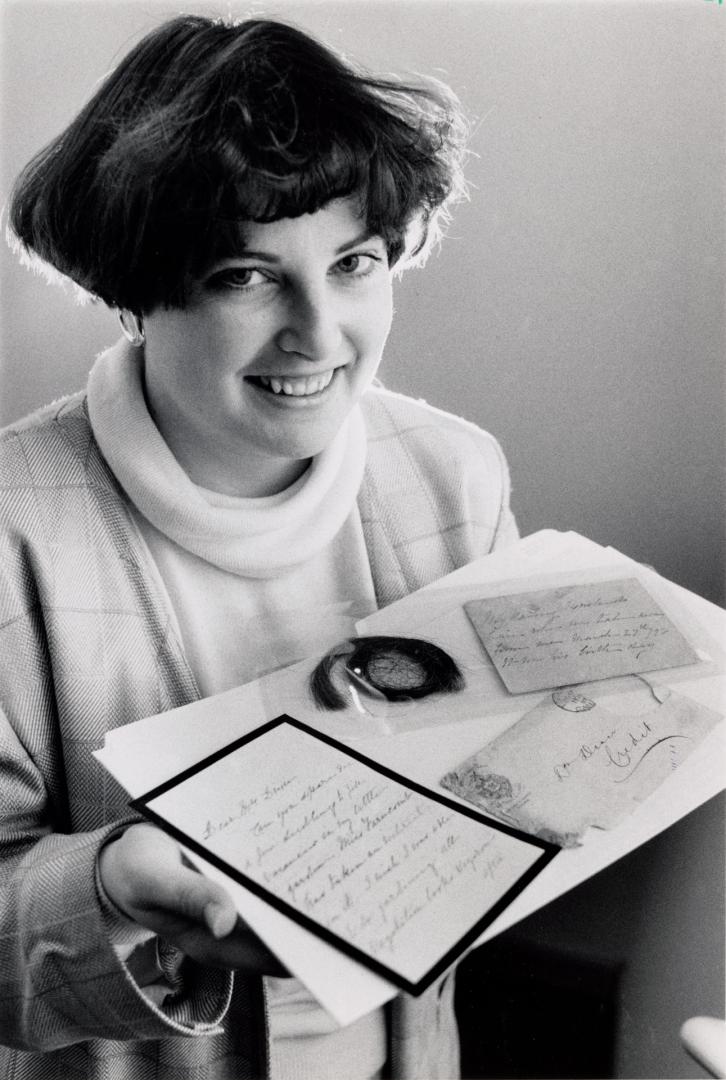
x=86, y=645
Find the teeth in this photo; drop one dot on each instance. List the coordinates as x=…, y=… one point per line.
x=297, y=386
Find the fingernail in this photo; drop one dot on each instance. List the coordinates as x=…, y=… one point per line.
x=216, y=921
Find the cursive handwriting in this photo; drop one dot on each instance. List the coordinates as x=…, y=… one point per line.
x=620, y=749
x=627, y=759
x=622, y=756
x=563, y=770
x=565, y=636
x=362, y=854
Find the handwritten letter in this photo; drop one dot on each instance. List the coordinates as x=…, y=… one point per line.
x=571, y=763
x=577, y=633
x=396, y=875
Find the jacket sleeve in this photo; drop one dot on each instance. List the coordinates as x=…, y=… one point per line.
x=61, y=981
x=67, y=616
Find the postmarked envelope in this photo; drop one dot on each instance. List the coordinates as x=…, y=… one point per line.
x=573, y=762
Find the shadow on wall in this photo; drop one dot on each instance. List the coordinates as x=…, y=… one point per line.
x=512, y=1001
x=598, y=983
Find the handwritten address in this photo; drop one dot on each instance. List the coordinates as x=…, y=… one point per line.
x=558, y=771
x=396, y=873
x=573, y=634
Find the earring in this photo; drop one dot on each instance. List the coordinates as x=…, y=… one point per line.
x=132, y=326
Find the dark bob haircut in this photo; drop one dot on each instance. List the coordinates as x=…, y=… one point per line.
x=207, y=124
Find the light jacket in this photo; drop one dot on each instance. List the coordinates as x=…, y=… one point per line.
x=86, y=645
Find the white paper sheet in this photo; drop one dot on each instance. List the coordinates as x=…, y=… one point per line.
x=147, y=753
x=142, y=755
x=395, y=873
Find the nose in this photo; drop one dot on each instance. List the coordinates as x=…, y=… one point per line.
x=311, y=327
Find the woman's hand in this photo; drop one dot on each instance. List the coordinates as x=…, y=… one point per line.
x=145, y=875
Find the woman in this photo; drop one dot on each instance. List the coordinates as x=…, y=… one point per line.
x=242, y=197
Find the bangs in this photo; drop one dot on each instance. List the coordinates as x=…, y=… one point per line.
x=292, y=157
x=277, y=172
x=207, y=225
x=207, y=125
x=266, y=193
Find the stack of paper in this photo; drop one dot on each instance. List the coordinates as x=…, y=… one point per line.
x=299, y=867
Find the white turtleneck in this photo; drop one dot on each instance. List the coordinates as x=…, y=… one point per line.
x=251, y=537
x=254, y=584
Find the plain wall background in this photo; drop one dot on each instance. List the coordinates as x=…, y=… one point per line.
x=576, y=311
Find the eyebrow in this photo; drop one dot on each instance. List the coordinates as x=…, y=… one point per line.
x=266, y=256
x=362, y=238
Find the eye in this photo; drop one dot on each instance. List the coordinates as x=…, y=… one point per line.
x=358, y=264
x=242, y=278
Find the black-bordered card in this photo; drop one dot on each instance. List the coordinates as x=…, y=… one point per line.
x=395, y=875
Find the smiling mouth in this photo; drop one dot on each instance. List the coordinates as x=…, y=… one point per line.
x=294, y=386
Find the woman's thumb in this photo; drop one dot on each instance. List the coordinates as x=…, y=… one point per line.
x=220, y=917
x=203, y=900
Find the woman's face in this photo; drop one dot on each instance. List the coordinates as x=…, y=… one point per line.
x=275, y=347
